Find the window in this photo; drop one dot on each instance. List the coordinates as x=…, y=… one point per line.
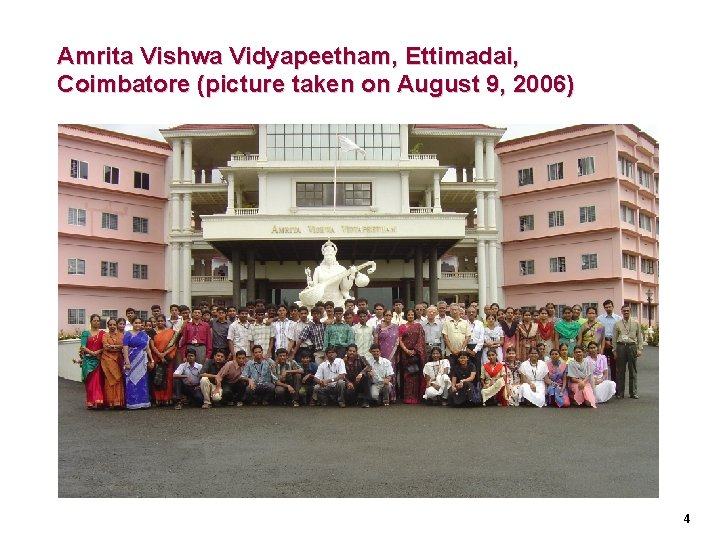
x=525, y=177
x=140, y=225
x=78, y=169
x=142, y=180
x=527, y=268
x=140, y=271
x=318, y=142
x=647, y=266
x=657, y=185
x=108, y=269
x=645, y=311
x=629, y=261
x=587, y=214
x=557, y=264
x=645, y=222
x=627, y=214
x=555, y=171
x=321, y=194
x=634, y=310
x=587, y=305
x=109, y=314
x=589, y=261
x=76, y=216
x=76, y=266
x=643, y=178
x=626, y=167
x=586, y=166
x=527, y=223
x=657, y=225
x=111, y=174
x=109, y=221
x=142, y=315
x=76, y=316
x=556, y=218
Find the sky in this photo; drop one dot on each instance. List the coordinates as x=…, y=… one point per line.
x=513, y=130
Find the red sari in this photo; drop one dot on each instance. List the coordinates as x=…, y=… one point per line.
x=413, y=387
x=164, y=341
x=91, y=372
x=114, y=388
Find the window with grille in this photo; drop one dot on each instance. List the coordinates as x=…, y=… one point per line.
x=76, y=266
x=556, y=218
x=525, y=177
x=527, y=223
x=76, y=316
x=589, y=261
x=109, y=221
x=140, y=271
x=555, y=171
x=78, y=169
x=108, y=269
x=629, y=261
x=557, y=264
x=77, y=216
x=309, y=194
x=527, y=268
x=627, y=214
x=140, y=225
x=586, y=166
x=587, y=214
x=626, y=167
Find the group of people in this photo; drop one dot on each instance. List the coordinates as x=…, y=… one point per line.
x=446, y=354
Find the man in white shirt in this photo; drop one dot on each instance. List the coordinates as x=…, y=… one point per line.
x=442, y=315
x=477, y=329
x=239, y=333
x=330, y=378
x=377, y=317
x=608, y=321
x=363, y=333
x=381, y=372
x=398, y=316
x=281, y=330
x=433, y=330
x=437, y=376
x=298, y=344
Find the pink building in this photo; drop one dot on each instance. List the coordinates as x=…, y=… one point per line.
x=580, y=218
x=112, y=199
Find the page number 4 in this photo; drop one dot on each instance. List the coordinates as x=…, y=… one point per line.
x=686, y=519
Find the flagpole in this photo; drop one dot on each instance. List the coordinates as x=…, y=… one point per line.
x=337, y=156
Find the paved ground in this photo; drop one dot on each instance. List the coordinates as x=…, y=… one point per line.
x=400, y=451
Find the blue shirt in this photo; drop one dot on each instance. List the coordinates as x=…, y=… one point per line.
x=260, y=372
x=608, y=321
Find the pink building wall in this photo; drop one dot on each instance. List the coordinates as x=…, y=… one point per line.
x=91, y=242
x=608, y=236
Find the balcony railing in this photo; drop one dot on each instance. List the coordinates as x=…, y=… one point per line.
x=208, y=279
x=246, y=211
x=244, y=157
x=422, y=156
x=458, y=275
x=421, y=209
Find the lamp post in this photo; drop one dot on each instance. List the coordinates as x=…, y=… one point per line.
x=649, y=299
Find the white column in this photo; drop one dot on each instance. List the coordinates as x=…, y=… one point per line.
x=482, y=273
x=239, y=197
x=491, y=198
x=428, y=197
x=404, y=192
x=187, y=212
x=187, y=161
x=262, y=193
x=177, y=162
x=231, y=194
x=489, y=159
x=403, y=141
x=480, y=205
x=492, y=271
x=175, y=272
x=185, y=276
x=479, y=161
x=436, y=193
x=175, y=211
x=262, y=142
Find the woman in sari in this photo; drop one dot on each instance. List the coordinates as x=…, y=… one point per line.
x=412, y=359
x=136, y=352
x=533, y=373
x=563, y=350
x=527, y=333
x=566, y=330
x=557, y=381
x=580, y=378
x=604, y=387
x=512, y=370
x=546, y=330
x=492, y=338
x=163, y=346
x=91, y=347
x=493, y=380
x=509, y=328
x=592, y=331
x=114, y=388
x=387, y=337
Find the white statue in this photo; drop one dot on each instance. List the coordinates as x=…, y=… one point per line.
x=331, y=280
